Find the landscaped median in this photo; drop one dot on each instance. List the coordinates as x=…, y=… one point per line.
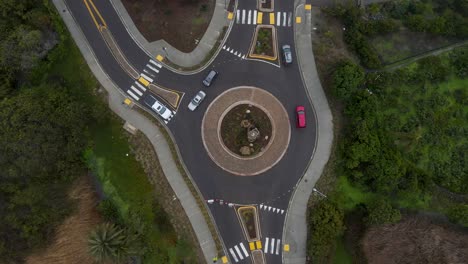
x=248, y=218
x=264, y=43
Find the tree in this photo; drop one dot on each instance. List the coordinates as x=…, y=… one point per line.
x=108, y=242
x=326, y=224
x=459, y=61
x=459, y=214
x=380, y=211
x=346, y=79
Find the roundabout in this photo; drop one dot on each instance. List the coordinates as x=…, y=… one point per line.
x=263, y=113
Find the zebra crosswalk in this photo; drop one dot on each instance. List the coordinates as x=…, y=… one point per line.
x=271, y=209
x=239, y=252
x=254, y=17
x=146, y=77
x=272, y=246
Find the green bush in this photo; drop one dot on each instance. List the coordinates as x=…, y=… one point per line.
x=380, y=211
x=459, y=214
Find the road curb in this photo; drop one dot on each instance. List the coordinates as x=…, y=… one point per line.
x=295, y=225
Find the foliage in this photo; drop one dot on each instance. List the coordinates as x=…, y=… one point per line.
x=459, y=214
x=108, y=242
x=459, y=60
x=325, y=226
x=264, y=41
x=346, y=79
x=380, y=211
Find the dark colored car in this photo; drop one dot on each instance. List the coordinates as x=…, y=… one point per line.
x=287, y=54
x=210, y=78
x=300, y=116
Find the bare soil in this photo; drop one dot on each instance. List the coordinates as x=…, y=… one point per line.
x=146, y=155
x=70, y=243
x=179, y=22
x=416, y=239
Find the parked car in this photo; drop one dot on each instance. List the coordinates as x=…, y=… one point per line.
x=158, y=107
x=301, y=116
x=287, y=54
x=195, y=102
x=210, y=78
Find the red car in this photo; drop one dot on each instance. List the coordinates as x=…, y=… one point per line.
x=301, y=117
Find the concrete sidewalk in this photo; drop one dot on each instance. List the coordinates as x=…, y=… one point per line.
x=295, y=227
x=198, y=55
x=151, y=131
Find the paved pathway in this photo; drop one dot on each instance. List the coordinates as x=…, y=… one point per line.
x=218, y=22
x=295, y=227
x=153, y=133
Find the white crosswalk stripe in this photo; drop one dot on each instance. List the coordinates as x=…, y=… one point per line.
x=133, y=95
x=239, y=252
x=136, y=90
x=272, y=246
x=140, y=86
x=233, y=255
x=152, y=68
x=249, y=17
x=155, y=64
x=149, y=73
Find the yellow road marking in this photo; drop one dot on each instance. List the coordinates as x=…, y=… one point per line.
x=272, y=18
x=259, y=18
x=144, y=81
x=286, y=247
x=308, y=7
x=259, y=244
x=252, y=245
x=92, y=10
x=160, y=58
x=224, y=260
x=127, y=101
x=298, y=20
x=230, y=15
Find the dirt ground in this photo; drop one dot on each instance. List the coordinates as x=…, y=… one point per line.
x=179, y=22
x=145, y=154
x=416, y=239
x=70, y=243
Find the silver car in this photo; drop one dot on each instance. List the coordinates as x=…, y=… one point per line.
x=195, y=102
x=287, y=54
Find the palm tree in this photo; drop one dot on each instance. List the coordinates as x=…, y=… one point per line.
x=109, y=242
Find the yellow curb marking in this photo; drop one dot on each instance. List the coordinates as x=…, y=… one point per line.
x=259, y=18
x=224, y=259
x=259, y=244
x=272, y=18
x=308, y=7
x=286, y=247
x=230, y=15
x=252, y=245
x=143, y=81
x=298, y=20
x=160, y=58
x=127, y=101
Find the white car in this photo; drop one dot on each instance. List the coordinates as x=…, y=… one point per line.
x=195, y=102
x=159, y=108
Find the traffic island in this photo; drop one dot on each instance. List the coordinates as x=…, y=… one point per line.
x=264, y=45
x=266, y=5
x=246, y=144
x=249, y=220
x=258, y=257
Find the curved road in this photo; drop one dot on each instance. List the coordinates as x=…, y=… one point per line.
x=272, y=188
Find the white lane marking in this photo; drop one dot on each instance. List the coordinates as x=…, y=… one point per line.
x=272, y=246
x=289, y=19
x=255, y=17
x=266, y=245
x=149, y=73
x=140, y=86
x=238, y=16
x=277, y=246
x=239, y=55
x=243, y=16
x=243, y=249
x=136, y=90
x=224, y=47
x=282, y=211
x=238, y=252
x=235, y=54
x=227, y=49
x=133, y=95
x=284, y=19
x=278, y=18
x=152, y=68
x=146, y=77
x=232, y=51
x=261, y=206
x=248, y=19
x=233, y=255
x=156, y=64
x=269, y=208
x=243, y=57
